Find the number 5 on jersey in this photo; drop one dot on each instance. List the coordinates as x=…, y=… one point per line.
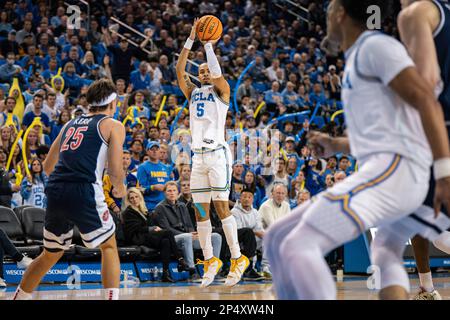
x=75, y=137
x=200, y=109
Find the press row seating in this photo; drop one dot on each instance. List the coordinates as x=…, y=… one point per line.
x=24, y=226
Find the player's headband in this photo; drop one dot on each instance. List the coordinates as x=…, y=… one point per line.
x=105, y=101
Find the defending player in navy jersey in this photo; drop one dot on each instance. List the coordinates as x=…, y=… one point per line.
x=75, y=166
x=211, y=163
x=425, y=30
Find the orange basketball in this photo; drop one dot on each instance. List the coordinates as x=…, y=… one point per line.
x=209, y=28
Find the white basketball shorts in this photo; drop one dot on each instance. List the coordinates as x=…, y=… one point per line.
x=387, y=188
x=211, y=174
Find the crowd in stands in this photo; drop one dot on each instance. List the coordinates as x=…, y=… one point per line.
x=273, y=168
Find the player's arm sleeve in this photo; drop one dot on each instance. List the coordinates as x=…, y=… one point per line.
x=383, y=57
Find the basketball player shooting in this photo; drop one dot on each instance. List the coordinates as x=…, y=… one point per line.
x=75, y=165
x=211, y=163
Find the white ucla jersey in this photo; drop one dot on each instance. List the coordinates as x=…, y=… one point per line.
x=207, y=114
x=378, y=120
x=37, y=196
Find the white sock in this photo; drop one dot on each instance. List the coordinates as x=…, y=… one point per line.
x=204, y=230
x=443, y=242
x=426, y=281
x=230, y=229
x=21, y=295
x=112, y=294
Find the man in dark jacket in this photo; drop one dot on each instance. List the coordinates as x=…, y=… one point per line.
x=171, y=214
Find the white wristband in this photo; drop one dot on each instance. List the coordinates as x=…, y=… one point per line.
x=441, y=168
x=188, y=44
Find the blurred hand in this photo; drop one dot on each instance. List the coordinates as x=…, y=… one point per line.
x=15, y=188
x=321, y=144
x=194, y=29
x=158, y=229
x=130, y=89
x=442, y=196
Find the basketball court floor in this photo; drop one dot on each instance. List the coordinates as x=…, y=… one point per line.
x=351, y=288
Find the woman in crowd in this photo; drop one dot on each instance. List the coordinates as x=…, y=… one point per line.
x=63, y=118
x=138, y=230
x=32, y=189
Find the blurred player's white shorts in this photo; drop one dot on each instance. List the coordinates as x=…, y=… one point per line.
x=211, y=174
x=387, y=188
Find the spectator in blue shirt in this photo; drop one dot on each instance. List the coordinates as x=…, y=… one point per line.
x=273, y=96
x=74, y=59
x=72, y=81
x=317, y=96
x=51, y=71
x=38, y=102
x=140, y=79
x=10, y=70
x=10, y=104
x=290, y=97
x=152, y=175
x=52, y=53
x=226, y=46
x=74, y=42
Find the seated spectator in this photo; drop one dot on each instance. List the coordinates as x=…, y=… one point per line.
x=115, y=204
x=10, y=70
x=237, y=183
x=139, y=231
x=246, y=89
x=248, y=217
x=251, y=184
x=32, y=188
x=140, y=79
x=9, y=44
x=345, y=165
x=7, y=247
x=136, y=149
x=152, y=176
x=317, y=96
x=72, y=81
x=276, y=207
x=226, y=46
x=172, y=214
x=303, y=196
x=10, y=104
x=73, y=58
x=63, y=118
x=48, y=105
x=271, y=72
x=51, y=71
x=36, y=110
x=273, y=97
x=289, y=95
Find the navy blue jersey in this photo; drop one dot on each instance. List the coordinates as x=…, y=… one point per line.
x=442, y=42
x=82, y=152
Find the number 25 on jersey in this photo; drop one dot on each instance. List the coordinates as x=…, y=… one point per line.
x=73, y=138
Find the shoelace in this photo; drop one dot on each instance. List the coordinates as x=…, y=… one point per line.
x=205, y=264
x=233, y=265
